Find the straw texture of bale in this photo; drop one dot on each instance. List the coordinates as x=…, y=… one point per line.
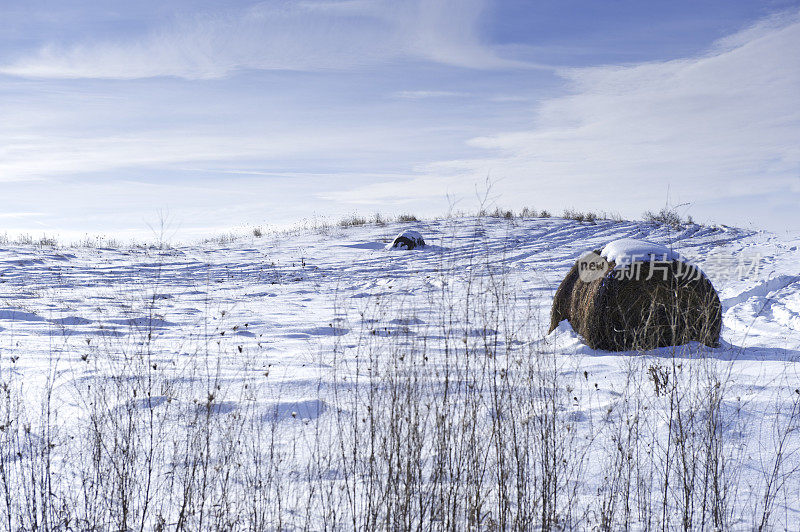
x=635, y=308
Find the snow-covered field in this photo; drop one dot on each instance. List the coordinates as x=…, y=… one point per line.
x=316, y=380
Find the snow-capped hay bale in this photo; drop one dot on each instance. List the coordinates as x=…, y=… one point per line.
x=408, y=240
x=637, y=295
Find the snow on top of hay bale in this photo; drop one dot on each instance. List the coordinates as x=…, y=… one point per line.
x=408, y=239
x=625, y=251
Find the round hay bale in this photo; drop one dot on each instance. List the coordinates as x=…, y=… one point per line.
x=621, y=301
x=408, y=240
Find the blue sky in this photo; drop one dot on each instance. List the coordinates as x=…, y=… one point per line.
x=236, y=114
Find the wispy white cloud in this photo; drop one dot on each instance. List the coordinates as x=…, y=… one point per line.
x=7, y=215
x=299, y=36
x=420, y=95
x=715, y=129
x=39, y=158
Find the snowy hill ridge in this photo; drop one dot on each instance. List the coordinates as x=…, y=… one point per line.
x=294, y=333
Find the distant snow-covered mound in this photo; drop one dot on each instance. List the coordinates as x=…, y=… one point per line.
x=408, y=240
